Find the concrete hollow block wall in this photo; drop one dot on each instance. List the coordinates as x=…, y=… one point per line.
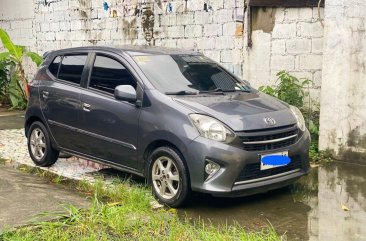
x=283, y=38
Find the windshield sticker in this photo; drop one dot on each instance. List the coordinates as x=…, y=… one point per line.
x=142, y=59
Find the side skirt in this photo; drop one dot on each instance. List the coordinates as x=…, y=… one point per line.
x=104, y=162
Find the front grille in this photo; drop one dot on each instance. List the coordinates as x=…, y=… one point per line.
x=260, y=142
x=253, y=171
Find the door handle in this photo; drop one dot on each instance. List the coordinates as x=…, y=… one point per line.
x=45, y=94
x=86, y=107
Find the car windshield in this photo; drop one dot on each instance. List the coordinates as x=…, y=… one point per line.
x=188, y=74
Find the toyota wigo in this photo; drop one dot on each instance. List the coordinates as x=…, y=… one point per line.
x=175, y=117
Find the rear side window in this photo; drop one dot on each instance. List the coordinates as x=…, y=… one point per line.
x=53, y=68
x=108, y=73
x=71, y=68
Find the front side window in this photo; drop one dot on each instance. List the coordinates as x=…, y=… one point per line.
x=71, y=68
x=188, y=73
x=108, y=73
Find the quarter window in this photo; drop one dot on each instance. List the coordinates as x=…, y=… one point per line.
x=54, y=66
x=108, y=73
x=72, y=67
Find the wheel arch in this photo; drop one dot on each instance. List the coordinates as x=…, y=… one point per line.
x=33, y=118
x=162, y=143
x=30, y=121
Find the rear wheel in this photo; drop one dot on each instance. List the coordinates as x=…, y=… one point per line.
x=39, y=146
x=169, y=177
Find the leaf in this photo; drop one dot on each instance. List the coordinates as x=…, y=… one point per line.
x=4, y=56
x=20, y=48
x=267, y=90
x=36, y=58
x=13, y=49
x=173, y=210
x=345, y=208
x=15, y=93
x=114, y=204
x=155, y=205
x=306, y=82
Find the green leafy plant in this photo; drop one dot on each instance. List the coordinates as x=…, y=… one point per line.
x=312, y=122
x=288, y=88
x=14, y=56
x=4, y=82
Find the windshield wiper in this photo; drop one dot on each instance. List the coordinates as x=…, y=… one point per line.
x=220, y=91
x=217, y=90
x=182, y=92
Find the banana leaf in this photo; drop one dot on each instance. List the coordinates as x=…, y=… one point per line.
x=16, y=93
x=14, y=50
x=37, y=59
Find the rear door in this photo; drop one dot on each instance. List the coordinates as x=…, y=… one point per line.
x=110, y=125
x=60, y=99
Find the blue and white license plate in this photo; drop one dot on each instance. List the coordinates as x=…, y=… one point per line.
x=274, y=160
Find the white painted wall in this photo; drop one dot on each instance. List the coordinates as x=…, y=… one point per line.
x=16, y=17
x=343, y=104
x=16, y=9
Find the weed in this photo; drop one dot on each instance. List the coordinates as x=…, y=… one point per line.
x=321, y=157
x=289, y=89
x=121, y=210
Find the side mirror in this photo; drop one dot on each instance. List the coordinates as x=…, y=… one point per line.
x=125, y=93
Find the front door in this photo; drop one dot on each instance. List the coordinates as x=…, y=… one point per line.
x=110, y=125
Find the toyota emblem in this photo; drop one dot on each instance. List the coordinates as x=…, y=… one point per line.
x=269, y=121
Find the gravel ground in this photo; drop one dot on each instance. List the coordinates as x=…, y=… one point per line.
x=13, y=146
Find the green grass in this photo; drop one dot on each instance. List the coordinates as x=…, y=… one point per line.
x=320, y=157
x=122, y=210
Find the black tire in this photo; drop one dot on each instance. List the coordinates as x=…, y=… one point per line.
x=183, y=189
x=50, y=155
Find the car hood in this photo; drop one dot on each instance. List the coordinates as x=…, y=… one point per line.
x=241, y=111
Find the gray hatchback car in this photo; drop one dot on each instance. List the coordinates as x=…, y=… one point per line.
x=175, y=117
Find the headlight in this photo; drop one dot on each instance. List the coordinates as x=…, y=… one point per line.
x=212, y=128
x=299, y=118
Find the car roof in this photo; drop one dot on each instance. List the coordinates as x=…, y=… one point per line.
x=131, y=50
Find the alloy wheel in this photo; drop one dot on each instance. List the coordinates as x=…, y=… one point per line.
x=165, y=177
x=38, y=143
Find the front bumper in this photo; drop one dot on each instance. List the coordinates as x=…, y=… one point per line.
x=233, y=160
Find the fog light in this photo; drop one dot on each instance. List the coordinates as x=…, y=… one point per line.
x=211, y=169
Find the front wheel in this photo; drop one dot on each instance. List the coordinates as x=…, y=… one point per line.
x=39, y=146
x=169, y=177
